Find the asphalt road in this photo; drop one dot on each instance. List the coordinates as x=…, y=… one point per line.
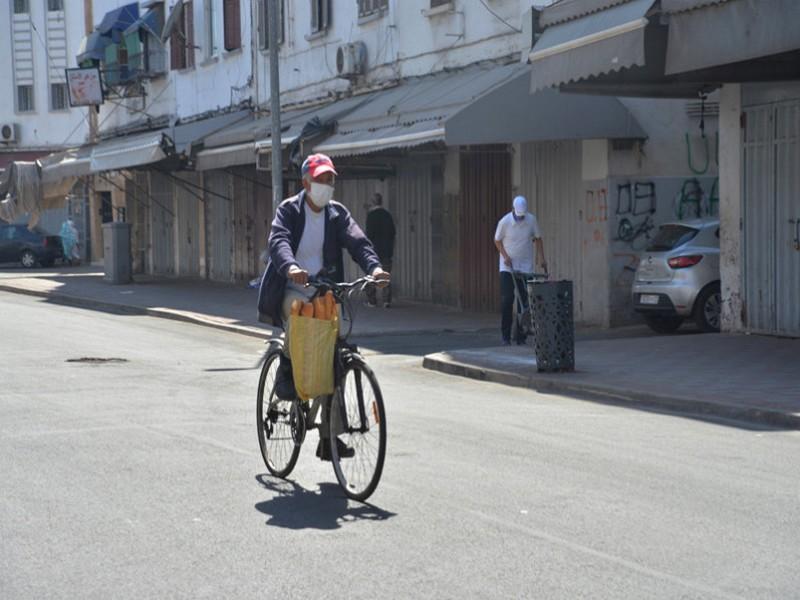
x=142, y=479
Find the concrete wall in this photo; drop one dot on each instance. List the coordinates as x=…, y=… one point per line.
x=730, y=187
x=407, y=41
x=43, y=128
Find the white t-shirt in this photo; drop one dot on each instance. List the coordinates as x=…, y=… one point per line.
x=309, y=251
x=517, y=238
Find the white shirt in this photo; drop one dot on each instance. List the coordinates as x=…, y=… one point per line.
x=517, y=238
x=309, y=251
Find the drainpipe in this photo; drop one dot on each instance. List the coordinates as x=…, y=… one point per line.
x=275, y=104
x=92, y=225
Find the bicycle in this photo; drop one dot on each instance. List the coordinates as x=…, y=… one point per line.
x=354, y=414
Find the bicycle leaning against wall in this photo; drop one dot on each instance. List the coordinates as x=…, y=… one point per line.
x=352, y=419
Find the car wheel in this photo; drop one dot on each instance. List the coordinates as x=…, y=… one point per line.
x=27, y=259
x=662, y=324
x=708, y=308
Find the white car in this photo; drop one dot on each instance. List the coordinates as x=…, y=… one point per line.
x=678, y=277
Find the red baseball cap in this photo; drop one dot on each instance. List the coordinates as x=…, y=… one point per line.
x=317, y=164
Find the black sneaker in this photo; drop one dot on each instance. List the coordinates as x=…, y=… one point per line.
x=324, y=450
x=284, y=380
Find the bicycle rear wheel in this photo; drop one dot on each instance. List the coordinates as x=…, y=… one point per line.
x=280, y=423
x=358, y=420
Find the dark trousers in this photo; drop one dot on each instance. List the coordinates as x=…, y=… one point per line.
x=507, y=301
x=372, y=291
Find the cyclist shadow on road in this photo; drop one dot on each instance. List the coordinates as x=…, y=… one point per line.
x=295, y=507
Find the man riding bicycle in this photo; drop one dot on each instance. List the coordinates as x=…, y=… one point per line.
x=308, y=234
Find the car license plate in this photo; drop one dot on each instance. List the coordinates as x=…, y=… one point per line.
x=648, y=299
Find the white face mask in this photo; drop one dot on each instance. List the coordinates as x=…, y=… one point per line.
x=321, y=194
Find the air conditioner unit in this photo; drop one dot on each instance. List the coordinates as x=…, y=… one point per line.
x=351, y=60
x=9, y=133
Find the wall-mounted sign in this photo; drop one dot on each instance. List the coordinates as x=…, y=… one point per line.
x=85, y=86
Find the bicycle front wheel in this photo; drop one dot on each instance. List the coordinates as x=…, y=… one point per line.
x=358, y=432
x=280, y=423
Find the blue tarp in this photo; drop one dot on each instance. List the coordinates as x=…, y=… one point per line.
x=119, y=19
x=150, y=21
x=93, y=47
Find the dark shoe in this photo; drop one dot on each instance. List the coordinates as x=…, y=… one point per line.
x=284, y=380
x=506, y=342
x=387, y=305
x=324, y=450
x=521, y=341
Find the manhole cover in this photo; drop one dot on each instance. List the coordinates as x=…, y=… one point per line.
x=94, y=360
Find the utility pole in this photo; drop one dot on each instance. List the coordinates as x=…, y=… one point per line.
x=92, y=228
x=275, y=104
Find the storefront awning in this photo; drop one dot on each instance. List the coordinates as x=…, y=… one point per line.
x=186, y=135
x=594, y=44
x=414, y=112
x=239, y=143
x=728, y=32
x=68, y=164
x=510, y=114
x=129, y=151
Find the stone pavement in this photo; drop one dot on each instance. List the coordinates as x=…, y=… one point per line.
x=225, y=306
x=740, y=377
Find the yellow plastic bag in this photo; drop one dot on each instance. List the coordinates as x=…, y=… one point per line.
x=312, y=343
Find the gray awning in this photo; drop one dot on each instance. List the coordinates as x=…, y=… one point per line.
x=510, y=113
x=239, y=143
x=185, y=135
x=731, y=32
x=129, y=151
x=293, y=122
x=597, y=43
x=675, y=6
x=414, y=112
x=68, y=164
x=225, y=156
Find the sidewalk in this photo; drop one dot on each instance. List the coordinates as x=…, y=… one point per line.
x=224, y=306
x=739, y=377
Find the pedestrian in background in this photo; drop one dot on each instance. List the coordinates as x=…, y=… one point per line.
x=381, y=232
x=519, y=242
x=69, y=241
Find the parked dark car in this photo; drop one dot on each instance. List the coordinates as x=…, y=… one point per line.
x=29, y=247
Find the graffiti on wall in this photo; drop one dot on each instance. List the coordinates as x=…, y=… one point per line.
x=635, y=207
x=596, y=214
x=692, y=202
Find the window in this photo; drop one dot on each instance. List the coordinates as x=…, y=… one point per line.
x=24, y=98
x=320, y=15
x=58, y=96
x=209, y=47
x=435, y=3
x=263, y=23
x=21, y=7
x=55, y=5
x=233, y=24
x=371, y=7
x=181, y=42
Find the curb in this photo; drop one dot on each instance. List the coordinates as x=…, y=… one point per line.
x=127, y=309
x=614, y=395
x=196, y=319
